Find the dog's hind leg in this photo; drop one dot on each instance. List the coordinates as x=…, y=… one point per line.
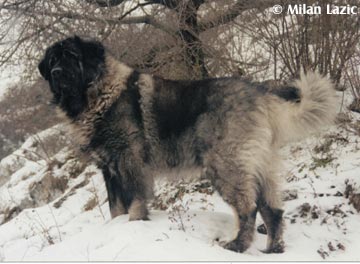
x=238, y=189
x=274, y=226
x=269, y=208
x=245, y=235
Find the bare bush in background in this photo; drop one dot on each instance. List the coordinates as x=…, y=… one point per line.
x=352, y=79
x=321, y=42
x=180, y=36
x=24, y=111
x=188, y=38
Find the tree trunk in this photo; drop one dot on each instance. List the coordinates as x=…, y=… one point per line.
x=189, y=32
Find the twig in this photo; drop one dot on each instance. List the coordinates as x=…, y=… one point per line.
x=97, y=199
x=56, y=223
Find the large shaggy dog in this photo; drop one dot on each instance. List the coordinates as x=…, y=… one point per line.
x=136, y=125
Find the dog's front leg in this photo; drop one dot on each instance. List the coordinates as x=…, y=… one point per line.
x=114, y=190
x=136, y=184
x=126, y=186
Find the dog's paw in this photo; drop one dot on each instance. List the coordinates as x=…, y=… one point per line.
x=236, y=246
x=138, y=210
x=138, y=218
x=278, y=247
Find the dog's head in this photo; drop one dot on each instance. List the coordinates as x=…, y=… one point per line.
x=71, y=66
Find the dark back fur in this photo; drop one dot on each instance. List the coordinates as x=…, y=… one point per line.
x=186, y=100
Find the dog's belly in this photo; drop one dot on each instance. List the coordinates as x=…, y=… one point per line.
x=176, y=159
x=176, y=173
x=177, y=152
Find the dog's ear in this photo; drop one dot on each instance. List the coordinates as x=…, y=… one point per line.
x=93, y=50
x=90, y=49
x=43, y=69
x=93, y=57
x=78, y=40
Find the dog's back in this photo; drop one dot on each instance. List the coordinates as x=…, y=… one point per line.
x=189, y=117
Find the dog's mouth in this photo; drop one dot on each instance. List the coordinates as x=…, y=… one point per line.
x=66, y=82
x=61, y=82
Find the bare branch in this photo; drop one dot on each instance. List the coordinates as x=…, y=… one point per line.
x=234, y=11
x=21, y=40
x=171, y=4
x=146, y=19
x=132, y=10
x=105, y=3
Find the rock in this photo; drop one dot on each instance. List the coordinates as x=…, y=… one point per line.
x=10, y=165
x=304, y=209
x=48, y=189
x=289, y=195
x=262, y=229
x=355, y=201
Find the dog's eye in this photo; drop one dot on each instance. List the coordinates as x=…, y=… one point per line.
x=69, y=53
x=52, y=61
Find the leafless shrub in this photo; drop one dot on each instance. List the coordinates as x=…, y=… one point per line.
x=180, y=215
x=177, y=38
x=319, y=42
x=352, y=79
x=172, y=192
x=39, y=228
x=187, y=38
x=95, y=201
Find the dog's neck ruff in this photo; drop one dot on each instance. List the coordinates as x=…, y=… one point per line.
x=102, y=93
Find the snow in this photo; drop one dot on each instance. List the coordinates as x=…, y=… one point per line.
x=320, y=222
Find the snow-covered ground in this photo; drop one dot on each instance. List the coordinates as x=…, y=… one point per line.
x=55, y=208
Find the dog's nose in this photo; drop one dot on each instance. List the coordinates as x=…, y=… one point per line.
x=56, y=72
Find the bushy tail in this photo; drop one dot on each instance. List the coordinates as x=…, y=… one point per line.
x=315, y=111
